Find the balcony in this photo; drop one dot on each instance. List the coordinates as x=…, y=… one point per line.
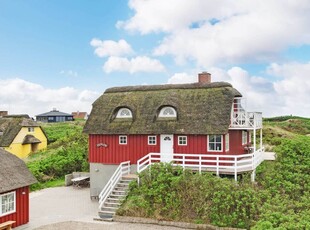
x=219, y=164
x=246, y=120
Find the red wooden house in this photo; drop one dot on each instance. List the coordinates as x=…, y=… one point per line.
x=15, y=179
x=201, y=125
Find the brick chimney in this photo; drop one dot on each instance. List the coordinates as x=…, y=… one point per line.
x=204, y=78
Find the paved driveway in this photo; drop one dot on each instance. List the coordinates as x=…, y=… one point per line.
x=70, y=208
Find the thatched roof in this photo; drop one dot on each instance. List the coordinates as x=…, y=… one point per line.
x=201, y=109
x=13, y=172
x=10, y=127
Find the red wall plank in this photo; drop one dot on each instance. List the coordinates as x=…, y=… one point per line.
x=21, y=216
x=137, y=147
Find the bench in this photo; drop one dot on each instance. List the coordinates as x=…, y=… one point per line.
x=82, y=181
x=7, y=225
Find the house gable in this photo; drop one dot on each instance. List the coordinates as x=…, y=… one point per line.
x=14, y=132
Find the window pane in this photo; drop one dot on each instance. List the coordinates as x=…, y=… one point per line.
x=218, y=138
x=211, y=138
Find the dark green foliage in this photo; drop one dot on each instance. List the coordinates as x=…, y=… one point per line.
x=173, y=194
x=280, y=198
x=287, y=185
x=67, y=154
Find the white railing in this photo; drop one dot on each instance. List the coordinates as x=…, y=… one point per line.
x=221, y=164
x=246, y=120
x=122, y=169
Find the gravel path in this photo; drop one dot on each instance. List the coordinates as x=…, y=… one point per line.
x=104, y=226
x=71, y=208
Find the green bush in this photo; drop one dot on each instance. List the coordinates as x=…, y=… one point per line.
x=280, y=199
x=169, y=193
x=68, y=153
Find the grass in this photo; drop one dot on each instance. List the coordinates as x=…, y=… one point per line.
x=48, y=184
x=65, y=153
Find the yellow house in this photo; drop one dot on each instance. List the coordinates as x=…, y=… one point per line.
x=21, y=136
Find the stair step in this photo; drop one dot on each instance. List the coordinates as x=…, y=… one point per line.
x=112, y=203
x=119, y=191
x=106, y=212
x=117, y=195
x=122, y=186
x=125, y=181
x=113, y=199
x=103, y=208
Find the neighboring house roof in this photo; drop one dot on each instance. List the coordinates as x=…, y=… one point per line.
x=17, y=116
x=10, y=127
x=54, y=113
x=81, y=115
x=13, y=172
x=201, y=109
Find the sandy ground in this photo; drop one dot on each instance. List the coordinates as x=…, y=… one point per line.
x=71, y=208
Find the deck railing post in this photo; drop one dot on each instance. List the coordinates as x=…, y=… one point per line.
x=236, y=168
x=199, y=164
x=217, y=166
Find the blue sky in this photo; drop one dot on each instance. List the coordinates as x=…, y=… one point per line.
x=64, y=54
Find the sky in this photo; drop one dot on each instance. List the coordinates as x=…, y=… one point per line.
x=64, y=54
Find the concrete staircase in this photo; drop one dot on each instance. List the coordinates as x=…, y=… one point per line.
x=115, y=198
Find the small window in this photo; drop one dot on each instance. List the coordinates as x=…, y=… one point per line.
x=30, y=129
x=123, y=140
x=50, y=118
x=7, y=203
x=182, y=140
x=152, y=140
x=215, y=143
x=227, y=142
x=167, y=112
x=244, y=137
x=167, y=139
x=124, y=113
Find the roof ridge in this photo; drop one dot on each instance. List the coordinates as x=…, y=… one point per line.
x=167, y=86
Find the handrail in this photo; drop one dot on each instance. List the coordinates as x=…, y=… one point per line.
x=246, y=119
x=122, y=169
x=225, y=163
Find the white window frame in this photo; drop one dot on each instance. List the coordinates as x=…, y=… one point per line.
x=244, y=137
x=214, y=143
x=182, y=140
x=122, y=140
x=30, y=129
x=152, y=140
x=1, y=203
x=227, y=142
x=163, y=113
x=121, y=113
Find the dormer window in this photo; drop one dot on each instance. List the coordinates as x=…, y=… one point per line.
x=168, y=111
x=124, y=113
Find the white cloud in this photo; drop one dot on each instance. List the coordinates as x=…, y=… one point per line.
x=105, y=48
x=19, y=96
x=69, y=73
x=223, y=31
x=293, y=86
x=133, y=65
x=288, y=95
x=181, y=78
x=172, y=15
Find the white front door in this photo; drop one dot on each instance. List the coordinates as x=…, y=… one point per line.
x=166, y=148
